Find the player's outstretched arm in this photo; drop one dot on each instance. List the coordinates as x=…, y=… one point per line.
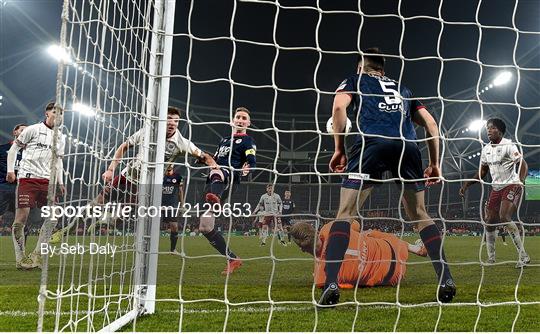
x=11, y=158
x=206, y=159
x=423, y=118
x=477, y=177
x=338, y=163
x=118, y=155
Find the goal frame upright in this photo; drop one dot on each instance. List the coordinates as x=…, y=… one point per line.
x=147, y=230
x=157, y=102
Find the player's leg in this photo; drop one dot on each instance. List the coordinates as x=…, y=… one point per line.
x=509, y=204
x=279, y=228
x=265, y=229
x=215, y=238
x=287, y=223
x=216, y=185
x=431, y=237
x=350, y=201
x=173, y=225
x=492, y=218
x=17, y=234
x=408, y=167
x=25, y=200
x=47, y=226
x=502, y=234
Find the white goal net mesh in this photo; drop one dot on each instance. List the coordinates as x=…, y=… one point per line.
x=283, y=60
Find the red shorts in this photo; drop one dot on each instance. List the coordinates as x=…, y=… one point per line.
x=268, y=220
x=32, y=193
x=121, y=191
x=511, y=193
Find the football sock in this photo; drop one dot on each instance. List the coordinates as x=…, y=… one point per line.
x=264, y=235
x=338, y=241
x=218, y=242
x=174, y=239
x=516, y=238
x=431, y=237
x=17, y=234
x=490, y=243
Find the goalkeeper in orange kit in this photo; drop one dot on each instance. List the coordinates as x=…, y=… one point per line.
x=372, y=258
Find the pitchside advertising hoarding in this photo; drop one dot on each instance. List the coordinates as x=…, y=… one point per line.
x=532, y=185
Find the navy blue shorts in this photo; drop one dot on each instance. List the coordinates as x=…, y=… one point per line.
x=381, y=155
x=170, y=214
x=7, y=197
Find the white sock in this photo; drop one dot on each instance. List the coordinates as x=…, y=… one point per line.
x=516, y=238
x=490, y=243
x=17, y=235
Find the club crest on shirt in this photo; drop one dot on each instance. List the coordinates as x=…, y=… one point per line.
x=170, y=146
x=342, y=85
x=238, y=141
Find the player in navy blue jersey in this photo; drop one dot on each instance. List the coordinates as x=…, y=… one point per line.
x=235, y=156
x=288, y=207
x=385, y=112
x=7, y=190
x=172, y=195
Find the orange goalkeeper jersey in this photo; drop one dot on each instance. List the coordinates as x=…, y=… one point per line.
x=372, y=258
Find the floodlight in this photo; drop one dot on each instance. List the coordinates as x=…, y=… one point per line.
x=83, y=109
x=502, y=78
x=59, y=53
x=477, y=125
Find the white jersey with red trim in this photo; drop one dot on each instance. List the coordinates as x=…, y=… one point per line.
x=501, y=159
x=270, y=204
x=37, y=142
x=174, y=146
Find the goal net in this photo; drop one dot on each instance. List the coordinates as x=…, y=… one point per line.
x=113, y=83
x=466, y=61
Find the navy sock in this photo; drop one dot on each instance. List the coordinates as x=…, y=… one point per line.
x=174, y=239
x=338, y=241
x=431, y=237
x=218, y=242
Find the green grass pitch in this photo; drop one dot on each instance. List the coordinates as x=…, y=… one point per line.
x=290, y=274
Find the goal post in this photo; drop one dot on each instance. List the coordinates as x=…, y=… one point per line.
x=111, y=68
x=116, y=81
x=159, y=82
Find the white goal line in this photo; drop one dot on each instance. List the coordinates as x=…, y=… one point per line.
x=274, y=309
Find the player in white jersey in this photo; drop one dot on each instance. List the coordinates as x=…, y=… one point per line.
x=123, y=187
x=270, y=204
x=175, y=145
x=33, y=180
x=501, y=157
